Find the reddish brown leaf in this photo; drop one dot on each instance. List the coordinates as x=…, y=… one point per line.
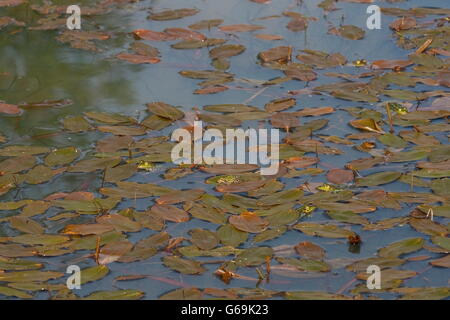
x=9, y=108
x=249, y=222
x=340, y=176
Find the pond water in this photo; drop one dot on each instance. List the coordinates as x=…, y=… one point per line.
x=35, y=66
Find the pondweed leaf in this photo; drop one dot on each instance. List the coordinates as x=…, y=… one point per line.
x=378, y=178
x=396, y=249
x=249, y=222
x=126, y=294
x=183, y=265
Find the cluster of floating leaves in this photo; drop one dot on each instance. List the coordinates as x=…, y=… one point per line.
x=403, y=136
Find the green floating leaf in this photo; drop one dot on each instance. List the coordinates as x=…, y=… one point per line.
x=15, y=151
x=306, y=264
x=11, y=292
x=182, y=294
x=204, y=239
x=61, y=157
x=193, y=251
x=254, y=256
x=442, y=242
x=127, y=294
x=321, y=230
x=379, y=178
x=230, y=236
x=382, y=262
x=29, y=276
x=314, y=295
x=183, y=265
x=347, y=216
x=76, y=124
x=426, y=294
x=398, y=248
x=392, y=140
x=441, y=186
x=173, y=14
x=351, y=32
x=269, y=234
x=18, y=264
x=93, y=274
x=165, y=110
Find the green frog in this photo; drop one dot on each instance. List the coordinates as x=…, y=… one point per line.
x=229, y=179
x=328, y=188
x=397, y=107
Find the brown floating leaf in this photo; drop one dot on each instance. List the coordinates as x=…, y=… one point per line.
x=284, y=120
x=309, y=250
x=206, y=24
x=328, y=231
x=119, y=222
x=84, y=229
x=403, y=23
x=367, y=125
x=173, y=14
x=270, y=37
x=152, y=35
x=442, y=262
x=350, y=32
x=390, y=64
x=9, y=108
x=226, y=51
x=170, y=213
x=240, y=28
x=229, y=168
x=297, y=24
x=137, y=58
x=314, y=111
x=204, y=239
x=340, y=176
x=165, y=110
x=249, y=222
x=428, y=227
x=279, y=54
x=112, y=251
x=280, y=104
x=211, y=90
x=183, y=265
x=180, y=196
x=241, y=187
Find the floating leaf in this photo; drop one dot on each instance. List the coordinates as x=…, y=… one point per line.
x=396, y=249
x=127, y=294
x=378, y=178
x=204, y=239
x=166, y=111
x=231, y=236
x=183, y=265
x=249, y=222
x=367, y=125
x=173, y=14
x=93, y=274
x=309, y=250
x=328, y=231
